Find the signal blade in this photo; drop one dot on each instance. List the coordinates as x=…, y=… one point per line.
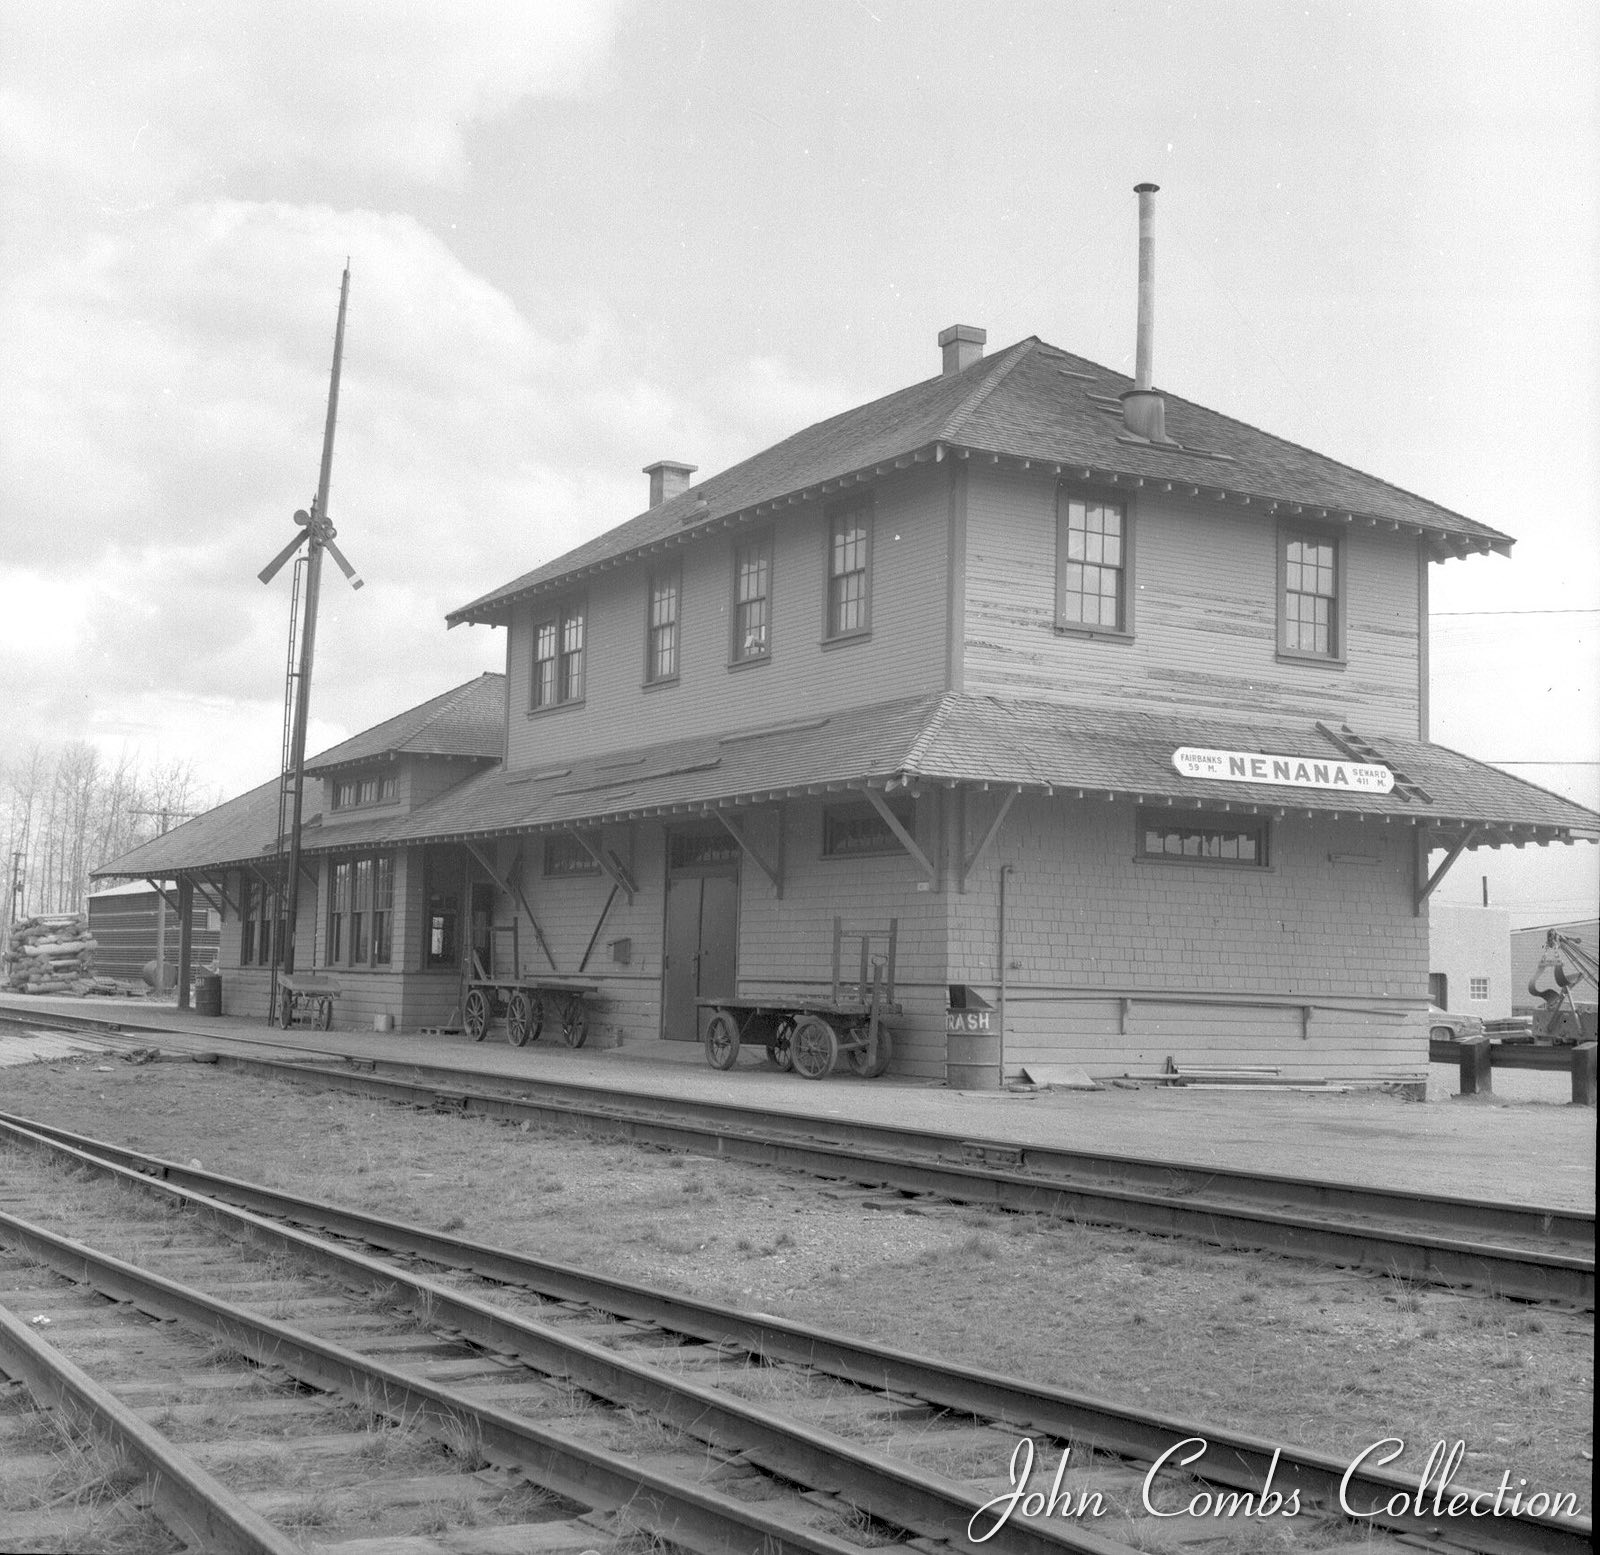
x=344, y=566
x=271, y=570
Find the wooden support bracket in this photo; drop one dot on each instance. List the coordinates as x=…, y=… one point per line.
x=219, y=884
x=1425, y=889
x=599, y=923
x=511, y=888
x=610, y=865
x=161, y=891
x=736, y=831
x=971, y=863
x=907, y=841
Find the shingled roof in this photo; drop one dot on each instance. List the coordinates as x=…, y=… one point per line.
x=950, y=738
x=1030, y=401
x=940, y=739
x=467, y=721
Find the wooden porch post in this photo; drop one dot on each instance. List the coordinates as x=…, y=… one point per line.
x=185, y=938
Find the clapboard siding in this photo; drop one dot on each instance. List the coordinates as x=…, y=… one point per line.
x=904, y=656
x=1205, y=615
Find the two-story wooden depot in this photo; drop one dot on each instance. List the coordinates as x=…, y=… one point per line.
x=1125, y=722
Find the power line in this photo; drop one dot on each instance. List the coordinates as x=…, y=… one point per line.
x=1575, y=610
x=1508, y=761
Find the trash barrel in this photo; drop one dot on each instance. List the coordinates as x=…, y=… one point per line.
x=974, y=1031
x=208, y=993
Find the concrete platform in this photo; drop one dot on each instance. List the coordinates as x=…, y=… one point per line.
x=1528, y=1150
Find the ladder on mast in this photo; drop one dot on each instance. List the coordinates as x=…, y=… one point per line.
x=288, y=776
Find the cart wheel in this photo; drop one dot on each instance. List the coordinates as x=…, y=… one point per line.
x=324, y=1014
x=813, y=1047
x=575, y=1022
x=285, y=1008
x=475, y=1015
x=778, y=1046
x=863, y=1061
x=722, y=1040
x=524, y=1018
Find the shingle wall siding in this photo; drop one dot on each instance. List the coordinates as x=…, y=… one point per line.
x=1205, y=614
x=904, y=656
x=1086, y=926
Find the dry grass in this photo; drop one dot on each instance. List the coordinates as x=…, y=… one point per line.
x=1325, y=1359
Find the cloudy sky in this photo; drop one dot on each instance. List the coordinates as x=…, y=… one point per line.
x=587, y=236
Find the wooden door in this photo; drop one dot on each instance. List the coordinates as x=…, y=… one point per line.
x=702, y=949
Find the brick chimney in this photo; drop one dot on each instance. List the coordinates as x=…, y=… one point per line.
x=962, y=345
x=667, y=479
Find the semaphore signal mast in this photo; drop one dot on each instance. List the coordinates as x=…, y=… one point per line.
x=316, y=534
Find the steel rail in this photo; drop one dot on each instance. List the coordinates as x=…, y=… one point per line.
x=1528, y=1274
x=1175, y=1178
x=887, y=1489
x=1538, y=1222
x=686, y=1514
x=197, y=1507
x=1234, y=1460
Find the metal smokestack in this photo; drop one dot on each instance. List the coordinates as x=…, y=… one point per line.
x=1143, y=410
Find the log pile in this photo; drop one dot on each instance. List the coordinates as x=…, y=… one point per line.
x=53, y=953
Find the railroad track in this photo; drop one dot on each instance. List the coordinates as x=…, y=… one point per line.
x=682, y=1366
x=1528, y=1252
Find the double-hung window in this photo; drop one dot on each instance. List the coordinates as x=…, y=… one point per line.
x=360, y=911
x=259, y=910
x=1093, y=555
x=752, y=600
x=1310, y=595
x=850, y=571
x=558, y=657
x=661, y=627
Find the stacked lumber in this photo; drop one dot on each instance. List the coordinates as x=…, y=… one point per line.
x=53, y=953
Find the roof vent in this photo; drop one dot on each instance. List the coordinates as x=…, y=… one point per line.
x=667, y=479
x=962, y=345
x=1144, y=412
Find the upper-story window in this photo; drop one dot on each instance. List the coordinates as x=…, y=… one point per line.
x=558, y=656
x=1093, y=562
x=752, y=600
x=1310, y=595
x=371, y=788
x=661, y=627
x=850, y=570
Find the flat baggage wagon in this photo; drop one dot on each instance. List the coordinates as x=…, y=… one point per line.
x=528, y=1004
x=302, y=998
x=810, y=1032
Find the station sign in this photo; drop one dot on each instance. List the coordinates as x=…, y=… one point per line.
x=1295, y=771
x=974, y=1022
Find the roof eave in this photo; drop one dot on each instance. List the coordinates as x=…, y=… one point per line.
x=1447, y=543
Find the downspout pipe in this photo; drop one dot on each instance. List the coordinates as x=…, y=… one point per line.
x=1005, y=869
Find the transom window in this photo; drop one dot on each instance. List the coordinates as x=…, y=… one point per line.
x=661, y=629
x=1091, y=563
x=565, y=855
x=858, y=830
x=1196, y=838
x=373, y=788
x=849, y=571
x=360, y=911
x=752, y=600
x=1308, y=596
x=558, y=658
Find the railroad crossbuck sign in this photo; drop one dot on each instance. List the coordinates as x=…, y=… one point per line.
x=1296, y=771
